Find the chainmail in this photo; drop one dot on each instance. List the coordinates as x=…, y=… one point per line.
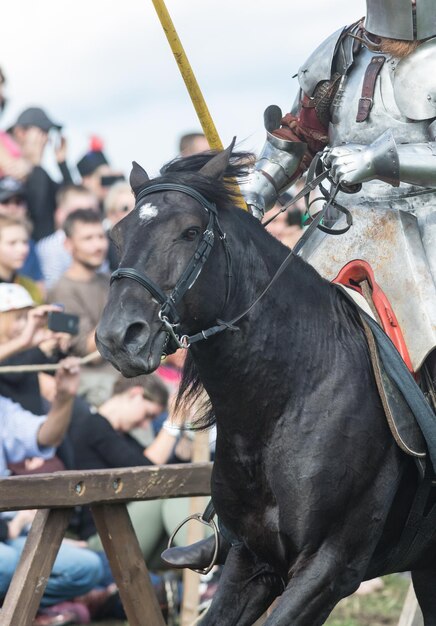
x=323, y=98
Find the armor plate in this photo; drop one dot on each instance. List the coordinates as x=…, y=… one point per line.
x=395, y=19
x=384, y=113
x=390, y=241
x=320, y=65
x=415, y=82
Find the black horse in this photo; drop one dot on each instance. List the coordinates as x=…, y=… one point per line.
x=308, y=481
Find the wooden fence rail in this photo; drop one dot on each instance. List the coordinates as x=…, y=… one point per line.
x=107, y=492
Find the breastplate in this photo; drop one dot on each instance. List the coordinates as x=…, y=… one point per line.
x=384, y=114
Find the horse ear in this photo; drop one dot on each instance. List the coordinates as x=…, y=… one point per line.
x=138, y=177
x=216, y=167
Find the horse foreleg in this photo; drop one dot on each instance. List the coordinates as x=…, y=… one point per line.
x=424, y=582
x=246, y=589
x=318, y=583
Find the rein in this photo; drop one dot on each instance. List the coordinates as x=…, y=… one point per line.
x=222, y=325
x=168, y=313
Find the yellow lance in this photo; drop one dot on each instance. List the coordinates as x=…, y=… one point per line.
x=191, y=83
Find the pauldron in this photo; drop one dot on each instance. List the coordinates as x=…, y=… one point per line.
x=415, y=83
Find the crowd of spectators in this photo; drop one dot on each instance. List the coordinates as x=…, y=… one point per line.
x=56, y=257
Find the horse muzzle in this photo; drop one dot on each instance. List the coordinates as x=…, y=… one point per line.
x=131, y=348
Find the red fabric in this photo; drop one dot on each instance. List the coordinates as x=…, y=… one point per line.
x=306, y=128
x=354, y=273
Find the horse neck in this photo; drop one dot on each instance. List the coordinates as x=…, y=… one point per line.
x=287, y=328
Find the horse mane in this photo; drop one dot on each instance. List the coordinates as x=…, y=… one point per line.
x=192, y=400
x=223, y=192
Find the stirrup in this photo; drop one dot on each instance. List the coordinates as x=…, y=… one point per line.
x=211, y=524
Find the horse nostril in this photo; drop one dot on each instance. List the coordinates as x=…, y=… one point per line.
x=135, y=334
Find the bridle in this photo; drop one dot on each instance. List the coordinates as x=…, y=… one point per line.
x=168, y=313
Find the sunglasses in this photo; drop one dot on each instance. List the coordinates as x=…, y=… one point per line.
x=14, y=200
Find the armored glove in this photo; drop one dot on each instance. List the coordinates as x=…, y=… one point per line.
x=355, y=163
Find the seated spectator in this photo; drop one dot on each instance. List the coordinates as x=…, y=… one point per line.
x=14, y=249
x=118, y=203
x=22, y=434
x=83, y=291
x=31, y=132
x=13, y=203
x=97, y=175
x=24, y=326
x=81, y=566
x=193, y=143
x=53, y=257
x=101, y=440
x=28, y=335
x=18, y=318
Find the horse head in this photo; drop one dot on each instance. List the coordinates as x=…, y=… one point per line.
x=163, y=275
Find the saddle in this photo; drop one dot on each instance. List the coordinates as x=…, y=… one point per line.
x=409, y=415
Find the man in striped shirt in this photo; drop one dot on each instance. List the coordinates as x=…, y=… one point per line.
x=53, y=257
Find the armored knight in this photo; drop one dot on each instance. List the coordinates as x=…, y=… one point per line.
x=367, y=99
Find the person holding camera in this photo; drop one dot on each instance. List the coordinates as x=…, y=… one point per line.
x=31, y=133
x=25, y=339
x=25, y=435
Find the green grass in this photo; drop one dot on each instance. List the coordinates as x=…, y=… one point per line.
x=379, y=608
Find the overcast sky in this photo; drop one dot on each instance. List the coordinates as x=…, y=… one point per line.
x=104, y=67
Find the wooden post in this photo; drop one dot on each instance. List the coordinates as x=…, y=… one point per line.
x=127, y=564
x=191, y=580
x=411, y=614
x=36, y=562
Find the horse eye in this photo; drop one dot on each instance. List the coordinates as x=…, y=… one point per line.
x=190, y=234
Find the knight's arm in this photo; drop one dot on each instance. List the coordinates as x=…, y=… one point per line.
x=386, y=160
x=290, y=147
x=293, y=140
x=417, y=164
x=277, y=166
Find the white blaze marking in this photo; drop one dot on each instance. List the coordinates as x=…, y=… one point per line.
x=147, y=212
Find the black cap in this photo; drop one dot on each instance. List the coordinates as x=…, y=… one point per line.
x=34, y=116
x=89, y=163
x=10, y=187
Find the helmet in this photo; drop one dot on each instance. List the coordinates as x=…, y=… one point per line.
x=400, y=19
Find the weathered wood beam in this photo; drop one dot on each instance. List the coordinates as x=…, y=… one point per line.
x=127, y=565
x=69, y=489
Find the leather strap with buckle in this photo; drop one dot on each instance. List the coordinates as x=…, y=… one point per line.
x=367, y=99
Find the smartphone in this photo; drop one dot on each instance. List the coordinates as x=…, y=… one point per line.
x=63, y=322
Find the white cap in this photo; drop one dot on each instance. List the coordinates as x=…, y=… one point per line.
x=14, y=297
